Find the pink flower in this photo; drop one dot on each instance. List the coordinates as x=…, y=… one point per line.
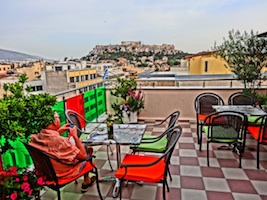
x=26, y=187
x=13, y=169
x=25, y=178
x=30, y=192
x=4, y=173
x=40, y=181
x=17, y=180
x=13, y=173
x=14, y=196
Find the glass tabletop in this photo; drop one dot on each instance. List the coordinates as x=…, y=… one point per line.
x=246, y=109
x=123, y=134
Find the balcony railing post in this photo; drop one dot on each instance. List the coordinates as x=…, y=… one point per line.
x=95, y=94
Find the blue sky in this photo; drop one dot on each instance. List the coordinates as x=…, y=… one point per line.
x=72, y=28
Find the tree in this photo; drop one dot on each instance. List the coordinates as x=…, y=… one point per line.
x=23, y=114
x=246, y=55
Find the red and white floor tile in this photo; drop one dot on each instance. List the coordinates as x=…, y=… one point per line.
x=192, y=179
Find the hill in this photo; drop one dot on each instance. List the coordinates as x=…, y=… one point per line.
x=7, y=55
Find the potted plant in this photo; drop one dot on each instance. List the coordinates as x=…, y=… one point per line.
x=20, y=184
x=128, y=102
x=23, y=114
x=131, y=107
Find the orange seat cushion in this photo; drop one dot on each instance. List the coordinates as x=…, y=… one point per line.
x=201, y=117
x=152, y=174
x=254, y=130
x=65, y=180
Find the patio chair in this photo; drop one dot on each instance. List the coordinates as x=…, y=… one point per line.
x=43, y=163
x=228, y=127
x=152, y=169
x=157, y=144
x=240, y=98
x=74, y=118
x=259, y=133
x=203, y=106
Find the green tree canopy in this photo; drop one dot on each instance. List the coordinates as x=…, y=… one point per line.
x=246, y=55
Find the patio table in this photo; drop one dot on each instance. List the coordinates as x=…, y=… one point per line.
x=123, y=134
x=248, y=110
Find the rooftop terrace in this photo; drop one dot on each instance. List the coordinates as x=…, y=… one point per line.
x=192, y=179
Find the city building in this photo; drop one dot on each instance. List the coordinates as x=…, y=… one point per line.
x=206, y=63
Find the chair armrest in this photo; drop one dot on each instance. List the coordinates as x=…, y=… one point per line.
x=88, y=158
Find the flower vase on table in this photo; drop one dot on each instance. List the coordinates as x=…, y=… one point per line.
x=130, y=117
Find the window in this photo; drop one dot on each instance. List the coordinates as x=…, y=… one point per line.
x=86, y=77
x=39, y=88
x=72, y=79
x=68, y=67
x=77, y=78
x=58, y=68
x=206, y=66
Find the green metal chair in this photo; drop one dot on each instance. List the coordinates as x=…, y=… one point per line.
x=203, y=106
x=228, y=127
x=240, y=98
x=146, y=168
x=157, y=144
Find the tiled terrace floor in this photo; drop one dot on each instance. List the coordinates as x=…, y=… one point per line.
x=192, y=179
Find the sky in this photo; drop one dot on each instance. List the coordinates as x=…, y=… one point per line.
x=55, y=29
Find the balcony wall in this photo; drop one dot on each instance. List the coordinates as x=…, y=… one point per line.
x=160, y=102
x=164, y=96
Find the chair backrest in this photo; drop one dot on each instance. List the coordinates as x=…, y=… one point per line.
x=240, y=98
x=226, y=125
x=173, y=118
x=205, y=101
x=74, y=118
x=42, y=163
x=174, y=135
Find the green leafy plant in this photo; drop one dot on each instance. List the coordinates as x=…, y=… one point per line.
x=134, y=102
x=246, y=56
x=23, y=114
x=20, y=184
x=127, y=99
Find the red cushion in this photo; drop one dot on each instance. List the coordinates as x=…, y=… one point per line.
x=201, y=117
x=254, y=130
x=152, y=174
x=65, y=180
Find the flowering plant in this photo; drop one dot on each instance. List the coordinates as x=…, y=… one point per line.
x=134, y=102
x=20, y=184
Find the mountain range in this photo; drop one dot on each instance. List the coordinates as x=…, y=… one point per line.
x=7, y=55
